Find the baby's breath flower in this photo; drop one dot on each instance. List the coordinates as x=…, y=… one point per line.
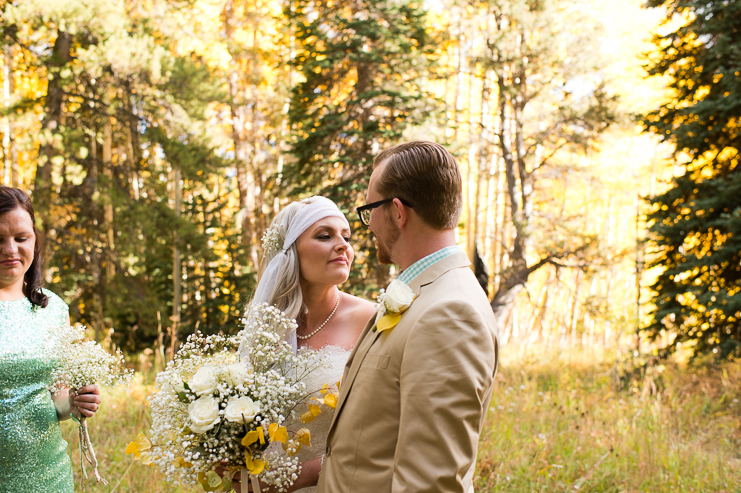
x=79, y=363
x=271, y=380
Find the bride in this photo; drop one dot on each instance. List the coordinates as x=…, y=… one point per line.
x=307, y=254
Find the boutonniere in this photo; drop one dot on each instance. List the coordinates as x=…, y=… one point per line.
x=392, y=303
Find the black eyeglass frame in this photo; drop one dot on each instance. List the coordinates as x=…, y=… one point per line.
x=369, y=207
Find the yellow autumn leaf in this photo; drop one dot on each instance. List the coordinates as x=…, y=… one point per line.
x=303, y=436
x=388, y=321
x=311, y=414
x=254, y=466
x=180, y=462
x=325, y=388
x=253, y=436
x=278, y=433
x=338, y=384
x=147, y=458
x=292, y=447
x=331, y=401
x=139, y=445
x=131, y=448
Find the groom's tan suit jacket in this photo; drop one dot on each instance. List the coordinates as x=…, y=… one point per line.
x=413, y=398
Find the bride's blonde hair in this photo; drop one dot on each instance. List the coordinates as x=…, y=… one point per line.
x=286, y=295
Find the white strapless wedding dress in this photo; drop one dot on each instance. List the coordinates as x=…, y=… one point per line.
x=319, y=428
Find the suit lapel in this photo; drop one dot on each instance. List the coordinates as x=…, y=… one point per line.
x=368, y=338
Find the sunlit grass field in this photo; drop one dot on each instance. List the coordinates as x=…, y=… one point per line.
x=553, y=425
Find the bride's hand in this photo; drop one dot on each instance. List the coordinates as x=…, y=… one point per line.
x=86, y=401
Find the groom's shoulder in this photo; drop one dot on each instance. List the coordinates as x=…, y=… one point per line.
x=459, y=281
x=458, y=286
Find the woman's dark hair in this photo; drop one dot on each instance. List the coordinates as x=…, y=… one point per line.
x=10, y=200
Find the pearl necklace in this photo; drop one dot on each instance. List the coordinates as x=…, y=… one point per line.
x=303, y=338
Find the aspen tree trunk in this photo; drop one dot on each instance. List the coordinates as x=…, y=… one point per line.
x=578, y=278
x=638, y=273
x=256, y=142
x=499, y=215
x=243, y=151
x=514, y=282
x=551, y=316
x=483, y=174
x=50, y=126
x=208, y=286
x=459, y=41
x=95, y=247
x=132, y=142
x=471, y=179
x=544, y=306
x=588, y=319
x=176, y=265
x=108, y=207
x=11, y=176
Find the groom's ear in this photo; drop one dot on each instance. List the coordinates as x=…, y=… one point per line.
x=400, y=213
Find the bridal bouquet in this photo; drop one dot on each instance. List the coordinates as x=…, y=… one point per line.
x=217, y=411
x=78, y=363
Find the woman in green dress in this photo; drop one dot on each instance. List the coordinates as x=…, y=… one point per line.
x=33, y=454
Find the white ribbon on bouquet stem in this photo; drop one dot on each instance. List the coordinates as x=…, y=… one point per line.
x=245, y=485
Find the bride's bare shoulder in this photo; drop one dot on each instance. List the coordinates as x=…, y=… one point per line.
x=360, y=310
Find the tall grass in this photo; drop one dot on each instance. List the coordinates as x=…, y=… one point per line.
x=553, y=425
x=577, y=426
x=124, y=413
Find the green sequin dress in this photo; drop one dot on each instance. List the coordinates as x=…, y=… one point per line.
x=33, y=454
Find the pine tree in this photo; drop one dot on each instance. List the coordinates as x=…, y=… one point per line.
x=696, y=224
x=363, y=65
x=123, y=127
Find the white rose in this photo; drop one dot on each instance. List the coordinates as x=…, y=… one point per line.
x=236, y=374
x=174, y=387
x=398, y=297
x=204, y=381
x=204, y=414
x=236, y=408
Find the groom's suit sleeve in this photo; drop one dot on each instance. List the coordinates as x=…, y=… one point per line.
x=446, y=380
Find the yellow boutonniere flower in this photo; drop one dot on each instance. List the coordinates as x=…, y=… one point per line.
x=392, y=303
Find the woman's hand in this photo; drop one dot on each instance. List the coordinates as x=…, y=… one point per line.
x=86, y=401
x=309, y=476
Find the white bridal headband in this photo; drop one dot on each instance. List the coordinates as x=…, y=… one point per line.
x=308, y=215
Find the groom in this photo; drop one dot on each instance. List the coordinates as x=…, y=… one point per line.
x=414, y=395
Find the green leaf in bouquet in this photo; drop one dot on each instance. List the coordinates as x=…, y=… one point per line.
x=182, y=397
x=185, y=386
x=210, y=481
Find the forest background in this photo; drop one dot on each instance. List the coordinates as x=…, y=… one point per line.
x=159, y=138
x=598, y=144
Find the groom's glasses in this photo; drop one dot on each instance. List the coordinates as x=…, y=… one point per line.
x=365, y=211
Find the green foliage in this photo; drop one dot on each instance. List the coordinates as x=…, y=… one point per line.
x=696, y=224
x=364, y=65
x=122, y=113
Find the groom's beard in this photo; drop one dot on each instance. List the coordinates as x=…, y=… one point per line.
x=383, y=248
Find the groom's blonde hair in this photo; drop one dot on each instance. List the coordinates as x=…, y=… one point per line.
x=426, y=175
x=286, y=295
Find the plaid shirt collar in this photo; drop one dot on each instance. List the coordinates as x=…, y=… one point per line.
x=421, y=265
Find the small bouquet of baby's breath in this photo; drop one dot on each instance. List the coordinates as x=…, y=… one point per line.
x=78, y=363
x=219, y=410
